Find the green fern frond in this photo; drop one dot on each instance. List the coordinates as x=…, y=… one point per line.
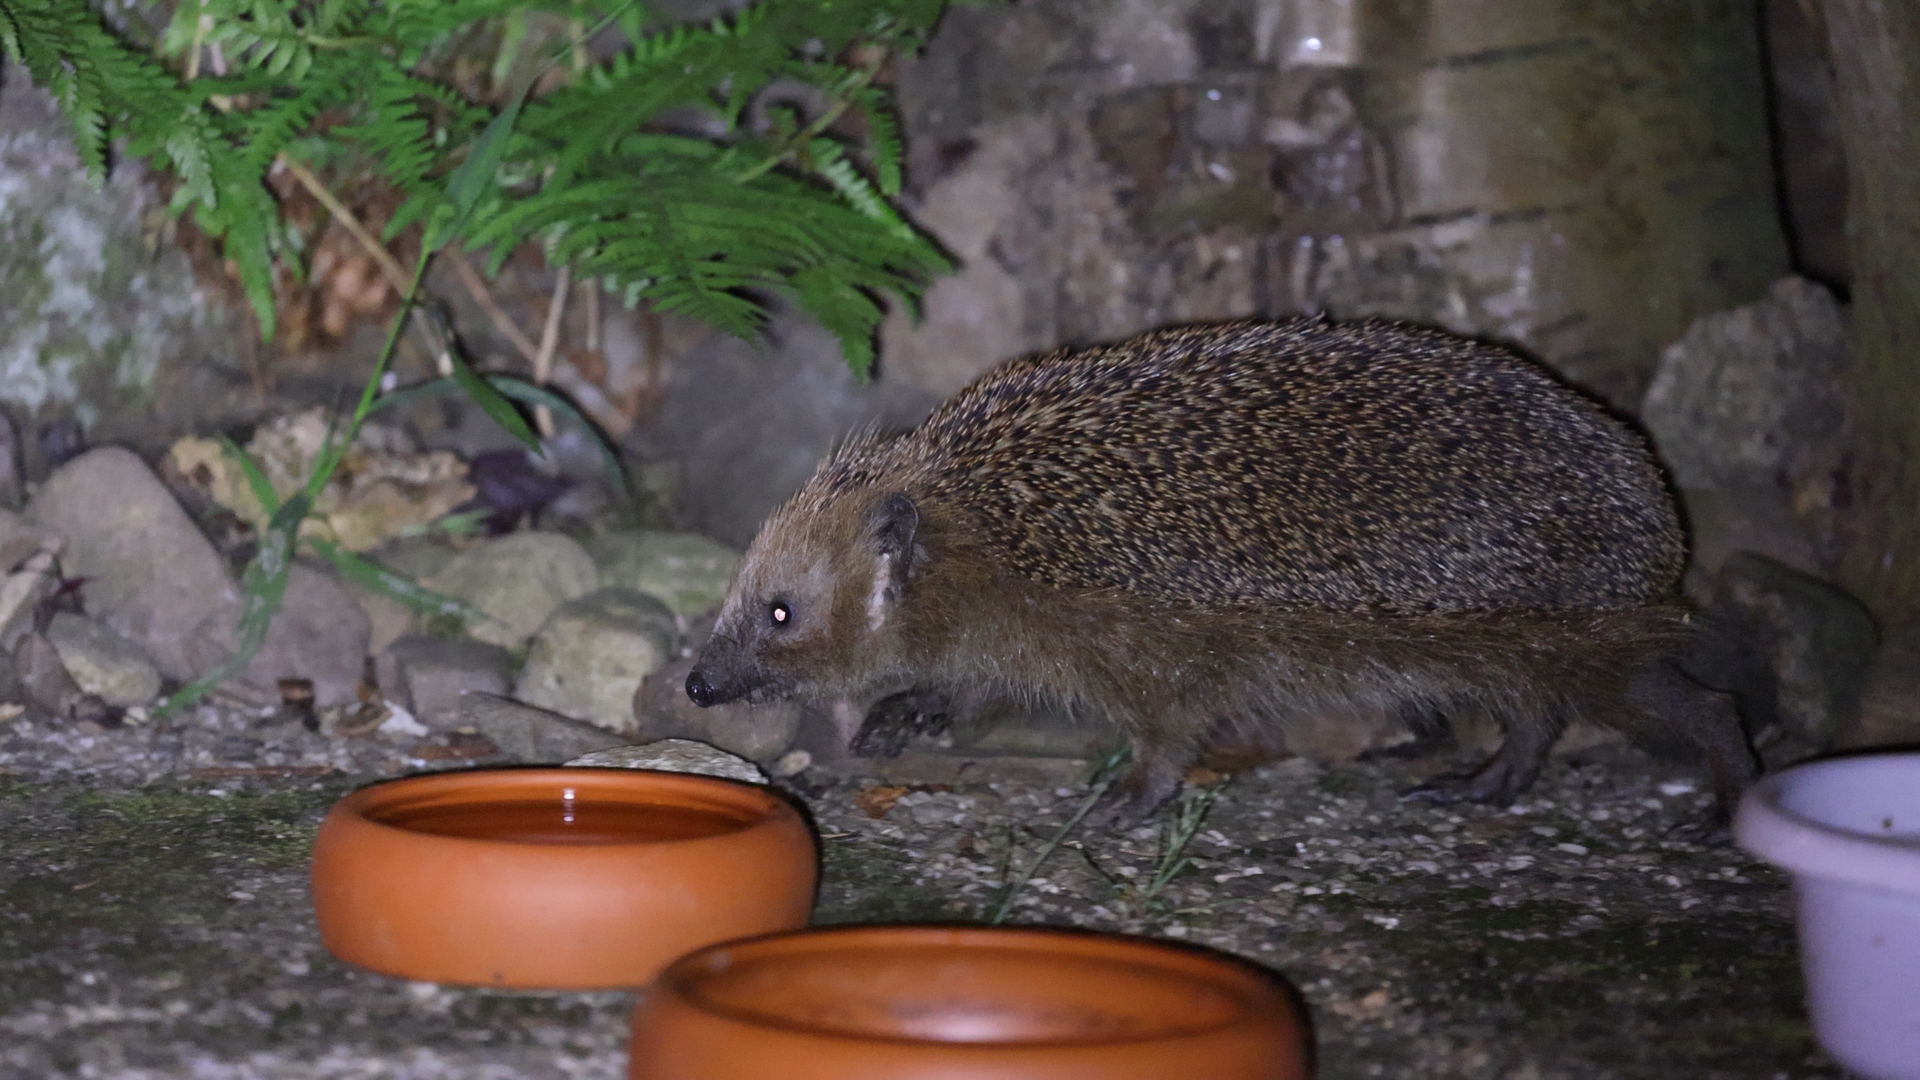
x=884, y=147
x=639, y=169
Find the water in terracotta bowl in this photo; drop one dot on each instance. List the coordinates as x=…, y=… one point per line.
x=937, y=1003
x=555, y=878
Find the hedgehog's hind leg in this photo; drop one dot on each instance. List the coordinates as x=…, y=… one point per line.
x=1161, y=754
x=1432, y=734
x=1670, y=711
x=1510, y=771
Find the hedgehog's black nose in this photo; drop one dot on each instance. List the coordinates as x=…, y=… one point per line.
x=699, y=689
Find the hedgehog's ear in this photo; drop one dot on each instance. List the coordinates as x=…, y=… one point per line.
x=896, y=528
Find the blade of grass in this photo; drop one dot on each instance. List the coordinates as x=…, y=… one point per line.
x=398, y=586
x=256, y=477
x=263, y=585
x=1109, y=771
x=494, y=405
x=522, y=390
x=518, y=389
x=1176, y=835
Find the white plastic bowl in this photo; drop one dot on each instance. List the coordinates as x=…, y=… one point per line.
x=1849, y=831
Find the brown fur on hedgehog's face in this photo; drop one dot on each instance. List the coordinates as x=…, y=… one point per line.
x=810, y=611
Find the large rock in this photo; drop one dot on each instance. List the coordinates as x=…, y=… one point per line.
x=149, y=572
x=103, y=316
x=589, y=658
x=1890, y=701
x=687, y=571
x=1748, y=412
x=517, y=580
x=319, y=633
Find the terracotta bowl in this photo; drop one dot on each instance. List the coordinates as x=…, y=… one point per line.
x=920, y=1003
x=556, y=878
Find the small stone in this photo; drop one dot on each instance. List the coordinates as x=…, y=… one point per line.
x=428, y=674
x=588, y=660
x=676, y=755
x=401, y=724
x=687, y=571
x=43, y=677
x=102, y=662
x=150, y=575
x=661, y=710
x=518, y=580
x=522, y=732
x=792, y=763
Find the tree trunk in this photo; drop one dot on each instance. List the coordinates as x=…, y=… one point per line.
x=1875, y=46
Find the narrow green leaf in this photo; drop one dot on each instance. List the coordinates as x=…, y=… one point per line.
x=495, y=406
x=475, y=175
x=398, y=586
x=263, y=586
x=256, y=477
x=522, y=390
x=518, y=389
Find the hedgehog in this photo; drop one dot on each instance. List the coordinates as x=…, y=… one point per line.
x=1211, y=532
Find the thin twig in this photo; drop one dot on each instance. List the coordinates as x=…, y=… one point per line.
x=549, y=341
x=593, y=315
x=388, y=264
x=1109, y=771
x=476, y=287
x=200, y=27
x=805, y=135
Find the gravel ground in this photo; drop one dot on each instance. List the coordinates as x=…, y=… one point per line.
x=153, y=917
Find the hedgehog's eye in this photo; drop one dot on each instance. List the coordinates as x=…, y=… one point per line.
x=780, y=614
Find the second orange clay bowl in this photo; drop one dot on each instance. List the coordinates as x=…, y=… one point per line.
x=566, y=878
x=939, y=1003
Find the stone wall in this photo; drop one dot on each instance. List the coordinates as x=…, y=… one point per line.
x=100, y=317
x=1582, y=179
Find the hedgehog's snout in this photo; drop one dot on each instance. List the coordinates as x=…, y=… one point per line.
x=699, y=690
x=725, y=671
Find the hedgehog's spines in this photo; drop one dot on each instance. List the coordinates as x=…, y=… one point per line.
x=1239, y=525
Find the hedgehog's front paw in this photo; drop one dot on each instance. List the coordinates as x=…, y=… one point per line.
x=894, y=720
x=1442, y=789
x=1412, y=749
x=1135, y=799
x=1487, y=784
